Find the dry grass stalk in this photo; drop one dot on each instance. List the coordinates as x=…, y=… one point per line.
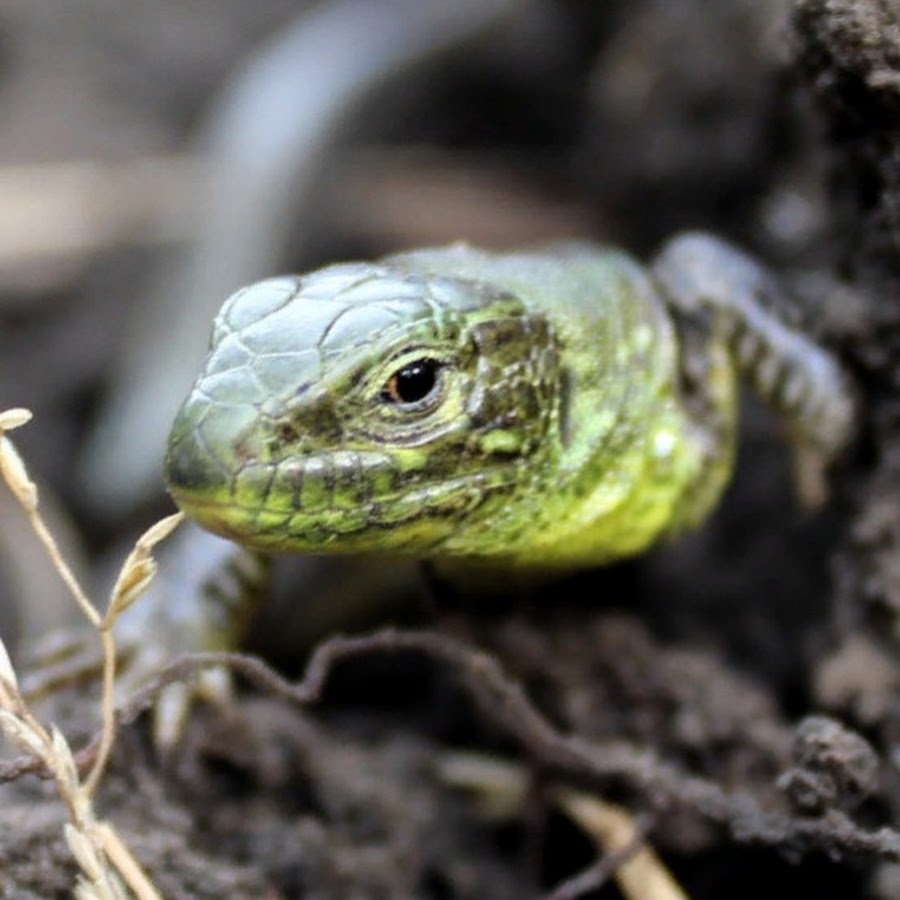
x=106, y=864
x=502, y=790
x=642, y=875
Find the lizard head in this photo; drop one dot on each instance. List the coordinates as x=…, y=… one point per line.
x=365, y=407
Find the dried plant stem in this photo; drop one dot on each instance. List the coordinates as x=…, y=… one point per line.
x=502, y=789
x=126, y=864
x=135, y=576
x=640, y=875
x=108, y=734
x=61, y=566
x=94, y=843
x=25, y=491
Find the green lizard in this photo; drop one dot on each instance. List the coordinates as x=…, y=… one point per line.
x=547, y=410
x=504, y=416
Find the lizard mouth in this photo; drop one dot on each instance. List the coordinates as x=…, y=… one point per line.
x=305, y=506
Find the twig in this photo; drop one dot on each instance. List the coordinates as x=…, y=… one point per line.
x=596, y=875
x=638, y=871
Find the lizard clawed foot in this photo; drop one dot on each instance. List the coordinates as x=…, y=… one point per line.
x=205, y=592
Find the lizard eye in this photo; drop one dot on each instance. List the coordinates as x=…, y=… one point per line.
x=415, y=382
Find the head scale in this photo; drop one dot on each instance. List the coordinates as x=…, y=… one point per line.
x=364, y=407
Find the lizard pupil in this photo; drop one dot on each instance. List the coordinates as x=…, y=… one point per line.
x=412, y=383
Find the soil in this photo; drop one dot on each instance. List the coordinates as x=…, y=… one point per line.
x=736, y=691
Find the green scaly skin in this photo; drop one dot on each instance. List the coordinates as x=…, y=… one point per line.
x=567, y=425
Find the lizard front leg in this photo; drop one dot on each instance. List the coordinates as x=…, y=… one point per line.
x=205, y=597
x=710, y=285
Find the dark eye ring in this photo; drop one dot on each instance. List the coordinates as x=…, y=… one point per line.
x=412, y=383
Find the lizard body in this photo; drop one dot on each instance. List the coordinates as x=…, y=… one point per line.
x=545, y=410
